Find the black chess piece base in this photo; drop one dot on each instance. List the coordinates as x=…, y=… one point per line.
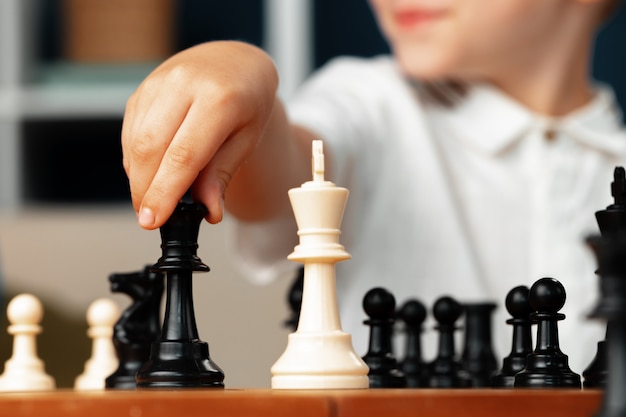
x=180, y=364
x=548, y=371
x=380, y=376
x=595, y=375
x=134, y=357
x=504, y=379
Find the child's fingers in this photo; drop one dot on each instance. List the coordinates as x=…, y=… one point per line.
x=197, y=140
x=210, y=186
x=147, y=140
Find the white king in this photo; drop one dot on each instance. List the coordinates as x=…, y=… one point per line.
x=319, y=355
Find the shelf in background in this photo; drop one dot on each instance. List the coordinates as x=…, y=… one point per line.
x=65, y=74
x=64, y=89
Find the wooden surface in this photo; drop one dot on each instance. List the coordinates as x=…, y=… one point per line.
x=275, y=403
x=469, y=403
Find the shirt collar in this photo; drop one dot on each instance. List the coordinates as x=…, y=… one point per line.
x=599, y=124
x=491, y=122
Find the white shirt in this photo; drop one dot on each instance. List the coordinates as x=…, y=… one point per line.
x=468, y=200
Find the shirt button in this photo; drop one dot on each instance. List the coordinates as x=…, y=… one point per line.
x=550, y=134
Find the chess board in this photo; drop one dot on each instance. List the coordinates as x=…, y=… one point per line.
x=288, y=403
x=161, y=395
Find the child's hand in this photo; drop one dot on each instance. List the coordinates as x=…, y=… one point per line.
x=194, y=120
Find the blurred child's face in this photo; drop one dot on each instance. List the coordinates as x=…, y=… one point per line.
x=469, y=38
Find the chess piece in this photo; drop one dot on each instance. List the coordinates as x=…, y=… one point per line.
x=611, y=221
x=610, y=252
x=319, y=355
x=547, y=366
x=596, y=374
x=379, y=305
x=139, y=325
x=445, y=371
x=179, y=359
x=101, y=316
x=412, y=314
x=478, y=358
x=294, y=300
x=518, y=305
x=24, y=371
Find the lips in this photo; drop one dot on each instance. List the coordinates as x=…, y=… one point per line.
x=409, y=19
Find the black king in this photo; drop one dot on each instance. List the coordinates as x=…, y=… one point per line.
x=609, y=249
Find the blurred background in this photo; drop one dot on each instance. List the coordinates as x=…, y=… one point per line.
x=66, y=223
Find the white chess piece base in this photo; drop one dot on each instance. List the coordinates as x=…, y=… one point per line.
x=331, y=363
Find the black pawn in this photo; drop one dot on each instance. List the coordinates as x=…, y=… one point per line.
x=294, y=300
x=139, y=325
x=413, y=314
x=518, y=305
x=610, y=252
x=478, y=358
x=179, y=359
x=379, y=305
x=547, y=366
x=445, y=371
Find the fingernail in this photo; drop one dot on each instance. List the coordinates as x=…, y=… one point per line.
x=146, y=217
x=216, y=215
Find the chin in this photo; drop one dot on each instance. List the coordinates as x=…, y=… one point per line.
x=424, y=68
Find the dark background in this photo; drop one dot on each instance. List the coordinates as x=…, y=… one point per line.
x=344, y=27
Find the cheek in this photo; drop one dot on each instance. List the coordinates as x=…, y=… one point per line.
x=382, y=11
x=510, y=24
x=467, y=46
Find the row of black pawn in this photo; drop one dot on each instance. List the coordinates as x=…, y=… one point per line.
x=545, y=366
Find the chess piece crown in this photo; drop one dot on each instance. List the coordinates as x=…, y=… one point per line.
x=179, y=237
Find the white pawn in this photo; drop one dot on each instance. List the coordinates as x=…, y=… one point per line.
x=101, y=317
x=24, y=371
